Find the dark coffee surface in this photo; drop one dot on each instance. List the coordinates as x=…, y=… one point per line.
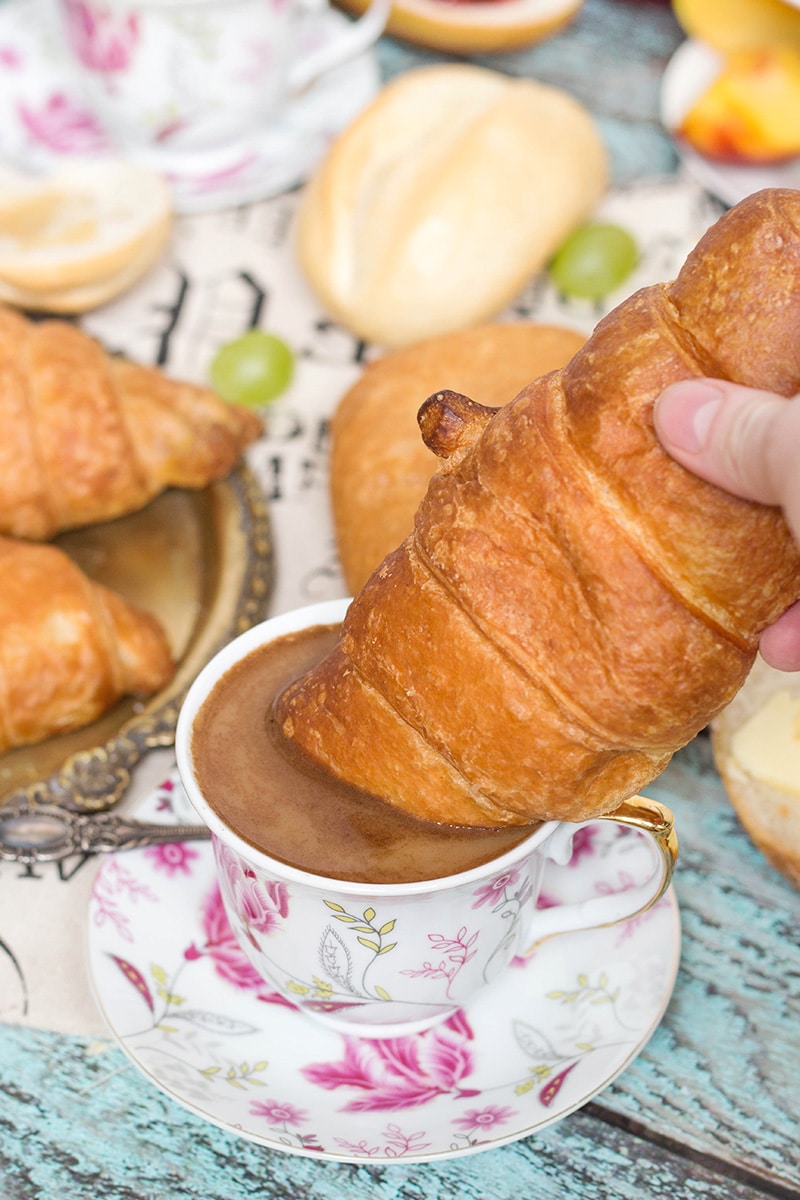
x=282, y=803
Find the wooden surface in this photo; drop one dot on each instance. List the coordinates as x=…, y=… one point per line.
x=710, y=1108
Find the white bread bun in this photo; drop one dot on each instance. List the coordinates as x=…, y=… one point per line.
x=480, y=26
x=443, y=198
x=77, y=238
x=380, y=466
x=756, y=745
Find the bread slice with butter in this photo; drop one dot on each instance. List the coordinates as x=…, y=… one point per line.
x=75, y=239
x=756, y=744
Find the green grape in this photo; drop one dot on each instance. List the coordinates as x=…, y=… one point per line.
x=593, y=261
x=253, y=369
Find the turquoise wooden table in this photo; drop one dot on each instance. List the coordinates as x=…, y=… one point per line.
x=711, y=1107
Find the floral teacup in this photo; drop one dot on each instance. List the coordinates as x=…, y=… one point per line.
x=191, y=85
x=384, y=959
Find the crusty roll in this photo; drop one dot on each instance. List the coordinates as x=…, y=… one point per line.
x=87, y=437
x=444, y=198
x=572, y=605
x=756, y=744
x=379, y=464
x=69, y=647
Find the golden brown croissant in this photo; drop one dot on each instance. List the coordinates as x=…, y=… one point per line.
x=572, y=606
x=69, y=647
x=87, y=437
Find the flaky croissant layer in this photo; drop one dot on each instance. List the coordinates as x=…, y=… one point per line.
x=572, y=605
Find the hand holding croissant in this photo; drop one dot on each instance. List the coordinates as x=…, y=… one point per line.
x=572, y=605
x=747, y=442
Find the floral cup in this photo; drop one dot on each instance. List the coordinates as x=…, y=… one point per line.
x=380, y=960
x=188, y=86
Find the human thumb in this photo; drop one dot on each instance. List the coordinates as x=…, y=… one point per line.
x=741, y=439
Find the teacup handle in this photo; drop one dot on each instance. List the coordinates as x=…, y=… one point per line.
x=643, y=814
x=354, y=40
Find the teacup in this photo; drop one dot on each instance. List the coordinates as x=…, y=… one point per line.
x=191, y=85
x=379, y=960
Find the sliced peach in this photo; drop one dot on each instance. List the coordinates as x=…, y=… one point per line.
x=751, y=111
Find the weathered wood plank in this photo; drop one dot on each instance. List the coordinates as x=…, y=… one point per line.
x=722, y=1070
x=91, y=1127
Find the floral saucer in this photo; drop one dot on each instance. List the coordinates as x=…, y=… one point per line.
x=188, y=1010
x=45, y=119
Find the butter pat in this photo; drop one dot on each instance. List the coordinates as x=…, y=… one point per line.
x=768, y=744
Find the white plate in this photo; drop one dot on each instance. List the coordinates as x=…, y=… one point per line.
x=475, y=27
x=45, y=120
x=185, y=1006
x=690, y=70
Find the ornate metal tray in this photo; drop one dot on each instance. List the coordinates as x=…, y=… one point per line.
x=203, y=563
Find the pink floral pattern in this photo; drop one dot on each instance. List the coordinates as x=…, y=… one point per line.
x=175, y=858
x=495, y=890
x=115, y=891
x=278, y=1113
x=62, y=126
x=260, y=907
x=393, y=1142
x=102, y=39
x=455, y=953
x=220, y=945
x=484, y=1119
x=401, y=1072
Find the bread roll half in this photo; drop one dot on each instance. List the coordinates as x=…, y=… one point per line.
x=756, y=744
x=443, y=198
x=380, y=465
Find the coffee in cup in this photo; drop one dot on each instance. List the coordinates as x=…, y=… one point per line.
x=367, y=918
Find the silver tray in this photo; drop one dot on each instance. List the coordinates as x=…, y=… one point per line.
x=203, y=563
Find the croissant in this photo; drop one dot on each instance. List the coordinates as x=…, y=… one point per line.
x=572, y=605
x=69, y=647
x=88, y=437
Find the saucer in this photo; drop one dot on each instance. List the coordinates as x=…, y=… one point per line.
x=690, y=70
x=552, y=1032
x=45, y=119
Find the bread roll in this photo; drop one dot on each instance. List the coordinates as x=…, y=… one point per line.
x=756, y=744
x=380, y=466
x=443, y=198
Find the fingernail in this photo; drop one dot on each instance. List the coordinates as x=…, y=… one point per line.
x=685, y=413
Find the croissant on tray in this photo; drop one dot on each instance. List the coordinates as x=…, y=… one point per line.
x=572, y=605
x=69, y=647
x=87, y=437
